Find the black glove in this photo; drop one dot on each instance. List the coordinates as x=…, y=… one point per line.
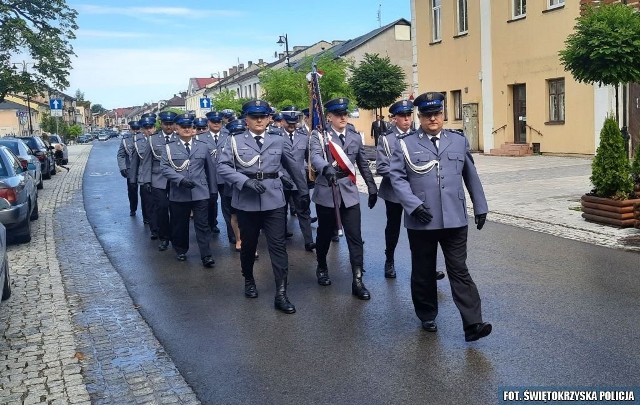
x=305, y=202
x=330, y=174
x=287, y=183
x=186, y=183
x=422, y=214
x=480, y=220
x=147, y=187
x=255, y=185
x=124, y=173
x=372, y=200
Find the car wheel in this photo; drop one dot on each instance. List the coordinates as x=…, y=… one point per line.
x=35, y=214
x=6, y=288
x=25, y=231
x=46, y=174
x=41, y=183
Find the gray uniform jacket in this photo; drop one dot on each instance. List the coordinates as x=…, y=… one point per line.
x=201, y=170
x=299, y=150
x=275, y=157
x=124, y=152
x=217, y=146
x=387, y=143
x=354, y=149
x=441, y=188
x=140, y=149
x=151, y=163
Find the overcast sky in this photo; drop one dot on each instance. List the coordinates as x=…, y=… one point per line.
x=136, y=51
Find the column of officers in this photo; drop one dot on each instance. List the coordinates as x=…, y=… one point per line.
x=260, y=162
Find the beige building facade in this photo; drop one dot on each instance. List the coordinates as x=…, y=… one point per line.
x=497, y=64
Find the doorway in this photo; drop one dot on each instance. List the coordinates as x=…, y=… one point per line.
x=520, y=113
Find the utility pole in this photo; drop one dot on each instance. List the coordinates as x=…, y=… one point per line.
x=24, y=72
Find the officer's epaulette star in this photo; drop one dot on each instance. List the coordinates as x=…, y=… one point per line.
x=275, y=132
x=455, y=131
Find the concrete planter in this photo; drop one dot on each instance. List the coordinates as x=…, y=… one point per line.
x=606, y=211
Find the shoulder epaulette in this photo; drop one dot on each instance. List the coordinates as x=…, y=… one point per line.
x=455, y=131
x=274, y=132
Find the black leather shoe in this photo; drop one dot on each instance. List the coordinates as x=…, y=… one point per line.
x=132, y=213
x=281, y=302
x=389, y=270
x=335, y=238
x=250, y=289
x=208, y=261
x=154, y=236
x=439, y=275
x=288, y=234
x=357, y=286
x=313, y=219
x=323, y=276
x=145, y=221
x=309, y=246
x=430, y=326
x=164, y=245
x=215, y=230
x=181, y=257
x=477, y=331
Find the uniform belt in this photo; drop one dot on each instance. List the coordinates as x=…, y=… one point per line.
x=341, y=175
x=262, y=175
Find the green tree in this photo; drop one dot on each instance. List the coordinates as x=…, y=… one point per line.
x=376, y=82
x=79, y=95
x=41, y=30
x=284, y=87
x=605, y=46
x=226, y=99
x=333, y=82
x=53, y=125
x=610, y=171
x=98, y=109
x=74, y=131
x=635, y=166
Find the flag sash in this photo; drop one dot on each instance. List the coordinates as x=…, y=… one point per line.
x=342, y=160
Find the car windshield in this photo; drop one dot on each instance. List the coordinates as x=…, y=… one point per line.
x=31, y=142
x=54, y=139
x=13, y=146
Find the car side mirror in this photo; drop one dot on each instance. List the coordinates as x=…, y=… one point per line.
x=31, y=166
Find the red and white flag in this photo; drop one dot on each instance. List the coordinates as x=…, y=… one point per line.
x=342, y=160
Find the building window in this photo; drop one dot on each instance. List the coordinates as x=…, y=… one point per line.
x=519, y=8
x=463, y=20
x=556, y=100
x=457, y=104
x=554, y=3
x=444, y=107
x=436, y=27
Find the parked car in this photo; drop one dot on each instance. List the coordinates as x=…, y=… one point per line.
x=103, y=136
x=27, y=158
x=44, y=154
x=18, y=188
x=85, y=138
x=55, y=140
x=5, y=280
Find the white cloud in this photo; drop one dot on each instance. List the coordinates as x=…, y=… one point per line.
x=156, y=11
x=82, y=34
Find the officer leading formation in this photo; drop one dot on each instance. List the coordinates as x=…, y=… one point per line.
x=259, y=162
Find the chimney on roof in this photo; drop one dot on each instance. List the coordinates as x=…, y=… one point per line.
x=260, y=61
x=280, y=55
x=233, y=71
x=240, y=67
x=249, y=64
x=224, y=74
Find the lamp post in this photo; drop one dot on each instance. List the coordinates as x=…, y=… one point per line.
x=284, y=40
x=24, y=72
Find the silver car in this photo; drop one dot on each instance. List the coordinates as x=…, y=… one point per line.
x=59, y=140
x=27, y=158
x=18, y=189
x=5, y=280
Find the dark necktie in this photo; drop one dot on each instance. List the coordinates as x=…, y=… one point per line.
x=291, y=136
x=166, y=138
x=186, y=145
x=259, y=141
x=434, y=139
x=341, y=136
x=215, y=138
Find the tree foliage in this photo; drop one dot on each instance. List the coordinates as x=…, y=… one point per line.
x=74, y=131
x=605, y=46
x=53, y=125
x=226, y=99
x=41, y=30
x=97, y=109
x=376, y=82
x=635, y=166
x=610, y=172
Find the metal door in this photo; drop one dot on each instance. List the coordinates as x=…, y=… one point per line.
x=520, y=113
x=470, y=125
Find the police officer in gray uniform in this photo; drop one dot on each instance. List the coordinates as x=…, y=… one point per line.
x=428, y=168
x=153, y=175
x=188, y=165
x=125, y=151
x=300, y=150
x=251, y=163
x=137, y=171
x=349, y=197
x=216, y=137
x=402, y=112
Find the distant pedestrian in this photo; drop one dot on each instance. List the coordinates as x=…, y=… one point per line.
x=58, y=155
x=378, y=127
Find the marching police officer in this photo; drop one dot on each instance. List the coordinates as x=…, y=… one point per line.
x=300, y=150
x=152, y=174
x=136, y=173
x=428, y=167
x=402, y=112
x=189, y=167
x=200, y=125
x=125, y=151
x=251, y=162
x=349, y=143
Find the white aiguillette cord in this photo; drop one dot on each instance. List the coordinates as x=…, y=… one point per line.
x=180, y=168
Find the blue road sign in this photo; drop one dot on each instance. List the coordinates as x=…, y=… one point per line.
x=55, y=104
x=205, y=102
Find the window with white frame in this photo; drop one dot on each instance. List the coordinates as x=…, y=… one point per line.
x=463, y=20
x=519, y=8
x=436, y=26
x=556, y=100
x=554, y=3
x=457, y=104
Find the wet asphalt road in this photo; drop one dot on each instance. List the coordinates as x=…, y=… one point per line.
x=564, y=313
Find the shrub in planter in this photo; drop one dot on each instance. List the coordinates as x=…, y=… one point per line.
x=610, y=170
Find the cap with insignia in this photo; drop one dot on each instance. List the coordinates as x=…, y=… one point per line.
x=228, y=114
x=236, y=126
x=256, y=107
x=152, y=115
x=432, y=101
x=214, y=116
x=167, y=116
x=277, y=117
x=401, y=107
x=305, y=112
x=200, y=123
x=147, y=122
x=184, y=120
x=134, y=125
x=337, y=105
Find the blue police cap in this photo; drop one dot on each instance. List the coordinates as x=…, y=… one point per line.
x=290, y=116
x=337, y=105
x=147, y=122
x=215, y=116
x=184, y=121
x=305, y=112
x=236, y=126
x=200, y=123
x=167, y=116
x=277, y=117
x=228, y=114
x=152, y=115
x=399, y=107
x=134, y=125
x=432, y=101
x=256, y=107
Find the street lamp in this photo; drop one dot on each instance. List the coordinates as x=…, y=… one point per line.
x=284, y=40
x=24, y=72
